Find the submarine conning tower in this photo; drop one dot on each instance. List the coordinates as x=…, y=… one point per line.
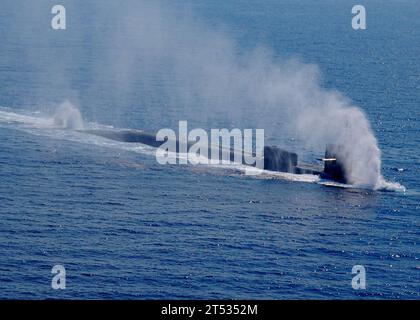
x=276, y=159
x=334, y=168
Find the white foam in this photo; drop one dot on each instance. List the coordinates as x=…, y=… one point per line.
x=68, y=116
x=389, y=186
x=7, y=117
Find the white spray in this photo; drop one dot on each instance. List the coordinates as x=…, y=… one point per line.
x=68, y=116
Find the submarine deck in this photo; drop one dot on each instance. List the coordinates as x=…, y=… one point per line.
x=308, y=168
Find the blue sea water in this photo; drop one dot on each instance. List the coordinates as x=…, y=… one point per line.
x=125, y=227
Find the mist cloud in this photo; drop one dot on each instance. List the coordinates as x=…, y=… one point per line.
x=173, y=67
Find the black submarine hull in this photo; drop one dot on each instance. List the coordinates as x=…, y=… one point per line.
x=275, y=158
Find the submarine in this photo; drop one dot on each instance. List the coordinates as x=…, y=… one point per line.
x=275, y=158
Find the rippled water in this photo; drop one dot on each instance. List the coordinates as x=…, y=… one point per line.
x=125, y=227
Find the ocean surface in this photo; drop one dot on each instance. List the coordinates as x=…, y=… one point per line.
x=125, y=227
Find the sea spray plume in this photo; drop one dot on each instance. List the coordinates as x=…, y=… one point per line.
x=335, y=120
x=68, y=116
